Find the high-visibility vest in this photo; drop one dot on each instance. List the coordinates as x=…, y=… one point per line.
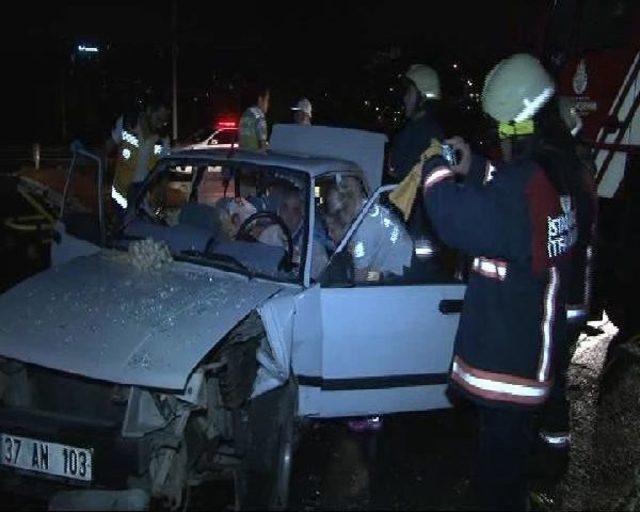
x=127, y=163
x=248, y=136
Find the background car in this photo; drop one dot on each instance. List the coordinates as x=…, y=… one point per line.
x=225, y=135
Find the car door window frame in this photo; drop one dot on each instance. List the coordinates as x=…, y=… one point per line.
x=312, y=218
x=342, y=247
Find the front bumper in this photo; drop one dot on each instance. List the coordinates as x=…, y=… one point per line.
x=114, y=458
x=132, y=499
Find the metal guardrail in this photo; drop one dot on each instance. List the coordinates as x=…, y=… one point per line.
x=34, y=154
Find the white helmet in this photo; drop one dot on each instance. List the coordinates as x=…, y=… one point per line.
x=426, y=80
x=516, y=89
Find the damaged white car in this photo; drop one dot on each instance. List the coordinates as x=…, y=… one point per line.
x=220, y=316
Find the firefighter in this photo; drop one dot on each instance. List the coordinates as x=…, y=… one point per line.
x=519, y=230
x=302, y=112
x=253, y=132
x=140, y=144
x=560, y=153
x=421, y=96
x=421, y=99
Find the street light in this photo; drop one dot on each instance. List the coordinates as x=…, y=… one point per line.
x=87, y=49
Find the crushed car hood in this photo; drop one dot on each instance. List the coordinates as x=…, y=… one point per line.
x=100, y=317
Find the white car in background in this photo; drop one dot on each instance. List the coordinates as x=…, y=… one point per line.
x=224, y=136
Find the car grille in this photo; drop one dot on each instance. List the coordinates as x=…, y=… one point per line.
x=73, y=396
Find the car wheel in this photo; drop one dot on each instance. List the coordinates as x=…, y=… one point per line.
x=262, y=481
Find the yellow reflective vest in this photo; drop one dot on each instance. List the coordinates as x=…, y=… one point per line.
x=127, y=163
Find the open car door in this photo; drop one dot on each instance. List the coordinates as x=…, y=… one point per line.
x=388, y=339
x=79, y=233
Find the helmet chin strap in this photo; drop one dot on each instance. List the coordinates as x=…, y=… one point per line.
x=515, y=138
x=516, y=129
x=518, y=146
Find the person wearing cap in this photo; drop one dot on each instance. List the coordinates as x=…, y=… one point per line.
x=519, y=228
x=302, y=112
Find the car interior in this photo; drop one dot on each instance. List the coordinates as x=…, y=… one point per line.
x=218, y=213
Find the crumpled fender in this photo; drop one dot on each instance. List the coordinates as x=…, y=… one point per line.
x=274, y=355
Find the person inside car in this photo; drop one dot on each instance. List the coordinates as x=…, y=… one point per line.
x=292, y=213
x=381, y=247
x=231, y=214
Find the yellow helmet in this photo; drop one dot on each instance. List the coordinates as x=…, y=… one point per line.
x=516, y=89
x=425, y=79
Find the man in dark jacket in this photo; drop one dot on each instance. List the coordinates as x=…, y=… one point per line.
x=519, y=230
x=421, y=96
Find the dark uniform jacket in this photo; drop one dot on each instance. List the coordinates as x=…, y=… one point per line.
x=572, y=177
x=519, y=233
x=407, y=148
x=411, y=141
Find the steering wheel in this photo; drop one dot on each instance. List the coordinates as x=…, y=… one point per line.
x=158, y=217
x=243, y=234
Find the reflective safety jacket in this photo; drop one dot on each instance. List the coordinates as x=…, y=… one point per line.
x=128, y=160
x=519, y=233
x=571, y=176
x=253, y=129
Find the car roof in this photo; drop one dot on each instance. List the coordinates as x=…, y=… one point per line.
x=312, y=165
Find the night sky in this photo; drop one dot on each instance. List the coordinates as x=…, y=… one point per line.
x=337, y=53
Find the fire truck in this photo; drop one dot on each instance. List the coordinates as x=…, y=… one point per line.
x=593, y=47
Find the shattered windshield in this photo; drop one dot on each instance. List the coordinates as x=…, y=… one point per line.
x=245, y=218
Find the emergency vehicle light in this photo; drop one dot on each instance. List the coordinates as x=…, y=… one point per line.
x=226, y=124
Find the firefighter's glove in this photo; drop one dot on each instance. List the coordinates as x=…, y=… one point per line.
x=405, y=193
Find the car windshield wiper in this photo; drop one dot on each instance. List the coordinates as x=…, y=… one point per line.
x=224, y=259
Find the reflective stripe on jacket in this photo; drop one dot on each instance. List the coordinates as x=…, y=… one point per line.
x=129, y=153
x=519, y=234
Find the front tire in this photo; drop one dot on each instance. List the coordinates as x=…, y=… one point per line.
x=262, y=481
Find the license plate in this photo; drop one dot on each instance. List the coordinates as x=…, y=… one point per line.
x=44, y=457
